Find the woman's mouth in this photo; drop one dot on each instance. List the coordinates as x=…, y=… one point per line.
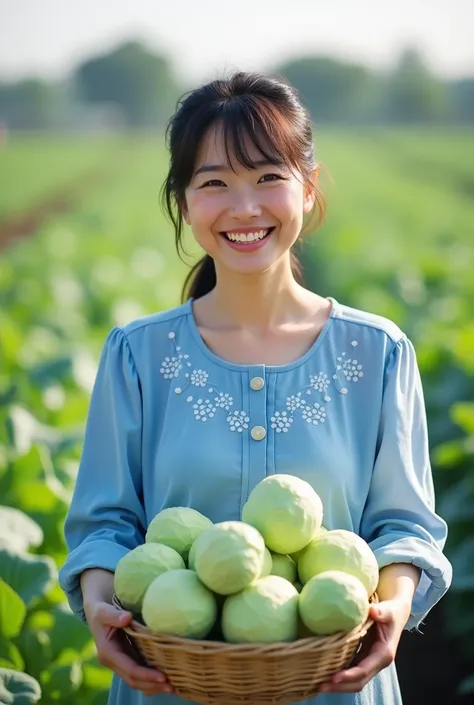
x=247, y=241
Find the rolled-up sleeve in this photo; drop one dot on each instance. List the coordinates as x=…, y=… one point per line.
x=106, y=517
x=399, y=520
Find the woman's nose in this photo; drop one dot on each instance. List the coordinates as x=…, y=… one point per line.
x=245, y=204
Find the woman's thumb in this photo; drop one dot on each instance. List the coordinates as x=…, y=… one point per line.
x=381, y=613
x=114, y=617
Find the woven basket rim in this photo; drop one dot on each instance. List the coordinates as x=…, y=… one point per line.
x=319, y=643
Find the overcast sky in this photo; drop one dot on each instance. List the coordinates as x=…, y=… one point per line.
x=202, y=37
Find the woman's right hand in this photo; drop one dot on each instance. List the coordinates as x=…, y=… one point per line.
x=104, y=620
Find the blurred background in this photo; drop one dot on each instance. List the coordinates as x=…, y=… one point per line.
x=86, y=90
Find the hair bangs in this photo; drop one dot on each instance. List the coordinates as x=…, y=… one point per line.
x=243, y=122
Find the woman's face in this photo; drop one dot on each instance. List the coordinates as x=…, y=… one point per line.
x=247, y=220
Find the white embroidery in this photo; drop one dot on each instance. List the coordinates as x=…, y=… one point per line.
x=238, y=421
x=281, y=422
x=312, y=412
x=294, y=402
x=320, y=382
x=170, y=367
x=199, y=378
x=224, y=401
x=351, y=370
x=203, y=410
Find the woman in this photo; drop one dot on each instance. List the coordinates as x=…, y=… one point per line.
x=253, y=375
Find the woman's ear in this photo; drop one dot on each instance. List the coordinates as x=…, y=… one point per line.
x=185, y=213
x=310, y=191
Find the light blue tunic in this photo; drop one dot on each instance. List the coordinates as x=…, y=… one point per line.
x=172, y=424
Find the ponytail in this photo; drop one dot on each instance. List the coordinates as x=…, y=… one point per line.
x=200, y=280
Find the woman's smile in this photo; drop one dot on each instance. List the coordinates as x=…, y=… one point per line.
x=247, y=240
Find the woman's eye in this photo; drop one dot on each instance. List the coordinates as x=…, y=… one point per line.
x=213, y=182
x=265, y=177
x=272, y=177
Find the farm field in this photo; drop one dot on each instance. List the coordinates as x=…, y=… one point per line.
x=32, y=168
x=398, y=241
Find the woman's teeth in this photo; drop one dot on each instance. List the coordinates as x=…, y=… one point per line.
x=248, y=237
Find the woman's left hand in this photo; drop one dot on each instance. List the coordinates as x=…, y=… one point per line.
x=378, y=651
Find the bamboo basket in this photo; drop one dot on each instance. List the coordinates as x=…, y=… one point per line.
x=218, y=673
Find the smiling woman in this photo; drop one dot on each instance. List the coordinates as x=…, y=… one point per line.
x=255, y=375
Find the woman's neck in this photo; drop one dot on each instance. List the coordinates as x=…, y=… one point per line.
x=261, y=301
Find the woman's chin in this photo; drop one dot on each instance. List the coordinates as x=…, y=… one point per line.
x=255, y=266
x=255, y=262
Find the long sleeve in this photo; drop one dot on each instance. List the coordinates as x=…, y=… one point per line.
x=106, y=517
x=399, y=519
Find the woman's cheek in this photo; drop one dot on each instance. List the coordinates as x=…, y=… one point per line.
x=208, y=210
x=282, y=202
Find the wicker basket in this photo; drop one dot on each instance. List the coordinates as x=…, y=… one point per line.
x=219, y=673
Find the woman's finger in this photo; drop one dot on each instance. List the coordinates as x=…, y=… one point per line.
x=342, y=688
x=145, y=686
x=379, y=657
x=354, y=679
x=111, y=656
x=154, y=691
x=112, y=616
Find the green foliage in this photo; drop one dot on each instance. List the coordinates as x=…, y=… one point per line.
x=29, y=104
x=131, y=77
x=60, y=292
x=18, y=688
x=341, y=92
x=52, y=163
x=331, y=90
x=413, y=95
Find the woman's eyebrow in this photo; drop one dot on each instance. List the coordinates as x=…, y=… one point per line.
x=224, y=167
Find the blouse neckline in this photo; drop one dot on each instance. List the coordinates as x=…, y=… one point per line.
x=270, y=368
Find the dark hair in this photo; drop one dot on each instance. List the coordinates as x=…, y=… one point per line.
x=267, y=110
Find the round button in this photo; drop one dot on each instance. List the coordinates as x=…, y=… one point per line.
x=257, y=383
x=258, y=433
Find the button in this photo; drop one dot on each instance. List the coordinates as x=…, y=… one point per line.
x=257, y=383
x=258, y=433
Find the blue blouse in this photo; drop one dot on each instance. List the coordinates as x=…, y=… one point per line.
x=171, y=423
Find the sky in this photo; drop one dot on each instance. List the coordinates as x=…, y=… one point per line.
x=203, y=38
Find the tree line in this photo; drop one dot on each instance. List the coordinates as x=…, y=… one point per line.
x=132, y=87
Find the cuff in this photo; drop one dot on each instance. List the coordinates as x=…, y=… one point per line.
x=436, y=570
x=90, y=554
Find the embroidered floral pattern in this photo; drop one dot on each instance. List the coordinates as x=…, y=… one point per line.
x=294, y=402
x=351, y=370
x=320, y=382
x=224, y=401
x=314, y=414
x=238, y=421
x=347, y=370
x=281, y=422
x=199, y=378
x=170, y=367
x=203, y=410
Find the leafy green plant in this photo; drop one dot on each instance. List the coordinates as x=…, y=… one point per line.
x=39, y=635
x=18, y=688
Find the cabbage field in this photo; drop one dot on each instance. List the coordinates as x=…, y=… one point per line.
x=84, y=246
